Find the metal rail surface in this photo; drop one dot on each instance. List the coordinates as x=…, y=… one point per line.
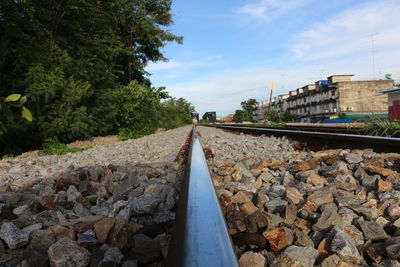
x=316, y=128
x=200, y=237
x=323, y=140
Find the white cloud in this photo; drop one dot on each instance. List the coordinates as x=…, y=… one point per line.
x=177, y=67
x=348, y=33
x=270, y=9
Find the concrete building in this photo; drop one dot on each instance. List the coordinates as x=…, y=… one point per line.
x=339, y=95
x=334, y=97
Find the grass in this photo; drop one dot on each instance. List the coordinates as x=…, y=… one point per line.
x=381, y=127
x=51, y=146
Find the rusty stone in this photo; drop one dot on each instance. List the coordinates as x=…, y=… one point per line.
x=224, y=171
x=62, y=232
x=103, y=228
x=48, y=203
x=324, y=250
x=378, y=170
x=383, y=186
x=279, y=238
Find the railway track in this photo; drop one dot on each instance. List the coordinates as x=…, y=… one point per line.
x=323, y=140
x=254, y=201
x=314, y=128
x=201, y=237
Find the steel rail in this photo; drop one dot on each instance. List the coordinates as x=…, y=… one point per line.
x=200, y=234
x=329, y=129
x=324, y=139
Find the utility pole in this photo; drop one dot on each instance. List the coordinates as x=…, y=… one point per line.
x=373, y=51
x=272, y=86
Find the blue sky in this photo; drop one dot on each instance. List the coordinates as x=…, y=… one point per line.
x=232, y=49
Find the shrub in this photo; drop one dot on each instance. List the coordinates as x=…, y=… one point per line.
x=381, y=127
x=51, y=146
x=126, y=133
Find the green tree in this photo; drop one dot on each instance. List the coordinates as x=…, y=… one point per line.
x=286, y=116
x=248, y=106
x=271, y=115
x=74, y=59
x=240, y=116
x=174, y=113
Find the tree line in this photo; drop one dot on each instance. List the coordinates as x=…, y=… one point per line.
x=80, y=66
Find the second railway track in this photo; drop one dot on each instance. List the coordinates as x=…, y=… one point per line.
x=323, y=140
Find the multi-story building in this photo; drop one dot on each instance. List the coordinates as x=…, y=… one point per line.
x=336, y=96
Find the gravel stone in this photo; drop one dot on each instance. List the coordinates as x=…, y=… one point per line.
x=13, y=236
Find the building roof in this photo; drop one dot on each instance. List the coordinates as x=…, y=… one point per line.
x=390, y=91
x=337, y=75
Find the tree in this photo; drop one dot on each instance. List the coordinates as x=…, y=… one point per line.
x=271, y=115
x=240, y=116
x=286, y=116
x=74, y=59
x=248, y=105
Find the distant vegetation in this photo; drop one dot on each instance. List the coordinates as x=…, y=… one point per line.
x=245, y=114
x=79, y=67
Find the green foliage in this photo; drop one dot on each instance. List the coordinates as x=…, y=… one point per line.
x=286, y=116
x=52, y=146
x=174, y=113
x=381, y=127
x=9, y=107
x=247, y=106
x=240, y=116
x=81, y=64
x=6, y=156
x=271, y=115
x=129, y=133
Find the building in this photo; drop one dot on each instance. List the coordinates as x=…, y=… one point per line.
x=393, y=103
x=258, y=111
x=338, y=96
x=210, y=116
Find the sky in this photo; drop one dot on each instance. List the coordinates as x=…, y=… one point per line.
x=234, y=50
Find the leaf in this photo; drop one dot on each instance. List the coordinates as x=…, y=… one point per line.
x=26, y=114
x=13, y=98
x=23, y=100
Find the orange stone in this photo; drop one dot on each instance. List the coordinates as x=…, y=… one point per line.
x=379, y=170
x=323, y=250
x=240, y=197
x=383, y=186
x=103, y=228
x=278, y=238
x=62, y=232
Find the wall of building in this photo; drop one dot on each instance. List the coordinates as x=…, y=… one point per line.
x=334, y=96
x=363, y=96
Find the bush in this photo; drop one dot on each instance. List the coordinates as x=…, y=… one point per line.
x=288, y=117
x=52, y=146
x=271, y=115
x=126, y=133
x=381, y=127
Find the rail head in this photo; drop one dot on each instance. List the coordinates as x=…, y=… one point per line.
x=201, y=237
